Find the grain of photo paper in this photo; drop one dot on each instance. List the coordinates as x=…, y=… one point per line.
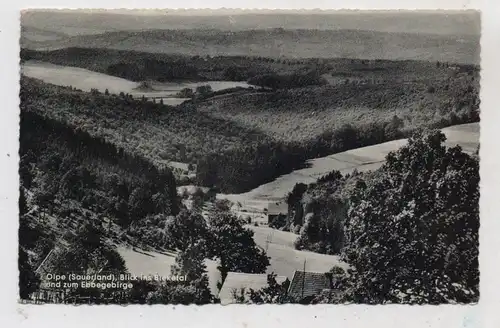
x=317, y=165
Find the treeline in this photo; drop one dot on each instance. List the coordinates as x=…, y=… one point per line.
x=157, y=70
x=289, y=81
x=245, y=168
x=140, y=66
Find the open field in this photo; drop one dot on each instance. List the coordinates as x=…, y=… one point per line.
x=361, y=159
x=86, y=80
x=75, y=77
x=285, y=260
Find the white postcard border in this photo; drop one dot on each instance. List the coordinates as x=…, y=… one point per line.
x=485, y=314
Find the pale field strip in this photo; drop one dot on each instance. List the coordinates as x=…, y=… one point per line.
x=361, y=159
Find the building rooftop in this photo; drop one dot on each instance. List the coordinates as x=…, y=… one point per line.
x=307, y=284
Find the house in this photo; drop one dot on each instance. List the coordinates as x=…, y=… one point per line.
x=306, y=285
x=303, y=288
x=276, y=210
x=235, y=282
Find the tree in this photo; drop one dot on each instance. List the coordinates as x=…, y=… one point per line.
x=393, y=128
x=234, y=246
x=412, y=230
x=176, y=293
x=106, y=92
x=204, y=90
x=323, y=229
x=140, y=201
x=139, y=293
x=87, y=253
x=234, y=73
x=186, y=93
x=186, y=229
x=274, y=293
x=25, y=175
x=190, y=263
x=195, y=290
x=222, y=205
x=198, y=198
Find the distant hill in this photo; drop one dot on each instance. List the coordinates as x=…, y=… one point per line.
x=281, y=43
x=100, y=21
x=33, y=34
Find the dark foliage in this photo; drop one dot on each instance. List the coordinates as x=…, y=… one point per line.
x=234, y=246
x=75, y=165
x=295, y=80
x=152, y=69
x=412, y=232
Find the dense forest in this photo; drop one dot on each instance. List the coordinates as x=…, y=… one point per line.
x=59, y=163
x=440, y=97
x=80, y=195
x=274, y=72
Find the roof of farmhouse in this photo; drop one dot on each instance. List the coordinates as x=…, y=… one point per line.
x=306, y=284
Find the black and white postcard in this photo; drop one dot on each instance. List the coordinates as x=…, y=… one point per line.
x=249, y=157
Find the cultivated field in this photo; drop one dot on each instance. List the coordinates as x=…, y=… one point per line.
x=79, y=78
x=361, y=159
x=87, y=80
